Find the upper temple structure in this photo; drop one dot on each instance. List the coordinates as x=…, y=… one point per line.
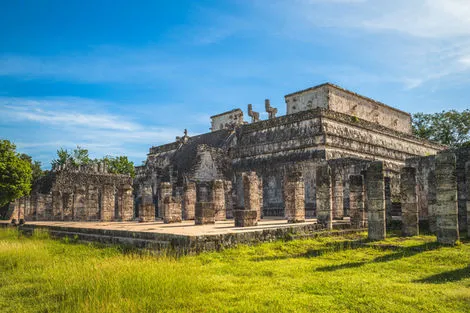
x=325, y=124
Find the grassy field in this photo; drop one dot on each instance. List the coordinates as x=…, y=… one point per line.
x=320, y=275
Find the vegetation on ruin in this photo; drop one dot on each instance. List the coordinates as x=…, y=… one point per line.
x=15, y=173
x=341, y=274
x=451, y=128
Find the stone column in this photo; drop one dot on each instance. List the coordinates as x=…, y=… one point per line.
x=204, y=213
x=467, y=180
x=323, y=196
x=409, y=202
x=356, y=201
x=93, y=205
x=218, y=198
x=446, y=199
x=107, y=203
x=146, y=207
x=27, y=208
x=432, y=202
x=189, y=201
x=251, y=193
x=48, y=212
x=21, y=210
x=67, y=203
x=171, y=210
x=245, y=218
x=295, y=198
x=126, y=203
x=165, y=189
x=57, y=206
x=388, y=201
x=338, y=204
x=228, y=198
x=375, y=201
x=80, y=211
x=40, y=207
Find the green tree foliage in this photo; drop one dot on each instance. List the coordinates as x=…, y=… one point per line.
x=119, y=165
x=37, y=172
x=78, y=156
x=450, y=128
x=15, y=174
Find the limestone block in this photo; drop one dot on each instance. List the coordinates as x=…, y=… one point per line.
x=431, y=202
x=205, y=213
x=251, y=193
x=388, y=200
x=356, y=201
x=126, y=203
x=324, y=196
x=146, y=207
x=295, y=198
x=165, y=189
x=375, y=191
x=67, y=204
x=245, y=218
x=57, y=206
x=218, y=198
x=446, y=199
x=337, y=190
x=229, y=194
x=79, y=204
x=171, y=210
x=409, y=202
x=189, y=201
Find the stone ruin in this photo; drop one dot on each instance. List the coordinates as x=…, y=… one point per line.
x=77, y=193
x=335, y=156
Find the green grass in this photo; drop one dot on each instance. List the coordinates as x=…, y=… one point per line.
x=338, y=274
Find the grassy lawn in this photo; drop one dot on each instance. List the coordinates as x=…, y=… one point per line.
x=340, y=274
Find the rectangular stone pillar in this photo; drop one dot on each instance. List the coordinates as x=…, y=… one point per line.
x=107, y=203
x=431, y=197
x=40, y=207
x=356, y=201
x=295, y=198
x=409, y=202
x=80, y=211
x=218, y=198
x=67, y=204
x=338, y=190
x=27, y=208
x=446, y=196
x=165, y=189
x=57, y=206
x=245, y=218
x=126, y=203
x=388, y=201
x=48, y=212
x=228, y=198
x=324, y=197
x=467, y=180
x=376, y=201
x=189, y=201
x=146, y=207
x=93, y=203
x=171, y=210
x=251, y=193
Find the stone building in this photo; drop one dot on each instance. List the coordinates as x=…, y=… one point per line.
x=83, y=193
x=325, y=124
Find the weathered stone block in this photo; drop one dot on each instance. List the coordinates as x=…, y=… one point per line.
x=171, y=210
x=189, y=201
x=245, y=218
x=295, y=198
x=205, y=213
x=147, y=207
x=356, y=201
x=409, y=202
x=251, y=193
x=375, y=192
x=107, y=203
x=324, y=196
x=218, y=198
x=446, y=199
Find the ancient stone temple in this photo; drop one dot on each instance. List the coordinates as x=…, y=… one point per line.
x=78, y=193
x=324, y=126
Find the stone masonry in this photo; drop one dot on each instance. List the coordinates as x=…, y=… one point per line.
x=189, y=201
x=171, y=210
x=375, y=201
x=295, y=198
x=218, y=198
x=409, y=203
x=324, y=196
x=356, y=201
x=251, y=193
x=446, y=199
x=467, y=175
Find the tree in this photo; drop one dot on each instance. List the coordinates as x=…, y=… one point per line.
x=37, y=172
x=78, y=156
x=119, y=165
x=451, y=128
x=15, y=174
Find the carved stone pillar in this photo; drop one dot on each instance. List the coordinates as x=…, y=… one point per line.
x=218, y=198
x=446, y=199
x=40, y=207
x=146, y=207
x=356, y=201
x=126, y=203
x=432, y=202
x=189, y=201
x=107, y=203
x=228, y=198
x=295, y=198
x=388, y=201
x=57, y=206
x=48, y=212
x=80, y=211
x=324, y=197
x=409, y=202
x=338, y=201
x=165, y=189
x=171, y=210
x=376, y=201
x=67, y=203
x=251, y=193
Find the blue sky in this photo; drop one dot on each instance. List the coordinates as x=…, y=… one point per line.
x=118, y=77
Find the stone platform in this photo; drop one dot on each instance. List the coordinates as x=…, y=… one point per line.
x=180, y=238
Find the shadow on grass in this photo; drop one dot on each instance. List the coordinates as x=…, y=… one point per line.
x=446, y=277
x=401, y=252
